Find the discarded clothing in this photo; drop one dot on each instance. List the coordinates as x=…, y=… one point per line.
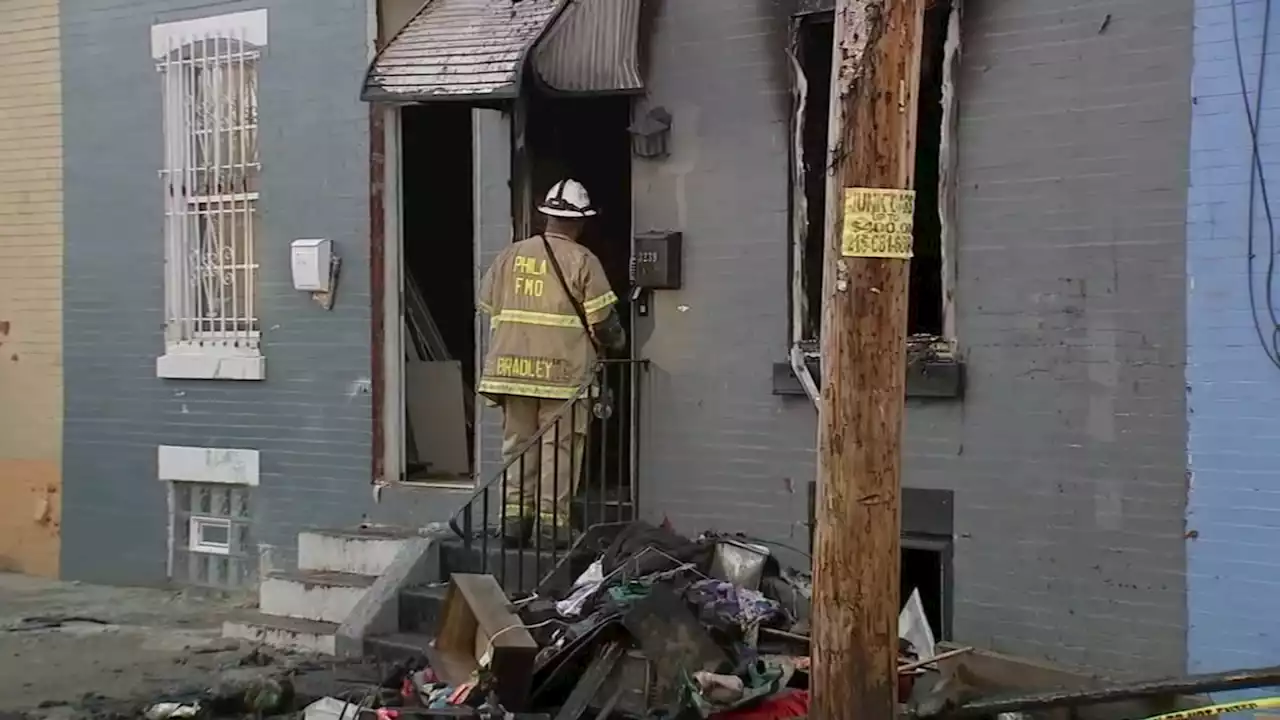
x=628, y=592
x=733, y=610
x=792, y=590
x=710, y=694
x=783, y=706
x=720, y=689
x=668, y=549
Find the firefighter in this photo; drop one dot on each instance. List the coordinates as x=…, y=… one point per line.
x=551, y=312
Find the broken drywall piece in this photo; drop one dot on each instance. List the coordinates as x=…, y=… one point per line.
x=435, y=396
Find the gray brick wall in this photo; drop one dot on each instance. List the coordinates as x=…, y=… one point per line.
x=311, y=416
x=717, y=448
x=1067, y=456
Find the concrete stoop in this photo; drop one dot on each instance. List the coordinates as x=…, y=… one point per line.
x=312, y=595
x=284, y=632
x=346, y=588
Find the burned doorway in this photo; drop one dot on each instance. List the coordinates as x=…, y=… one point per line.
x=586, y=138
x=438, y=290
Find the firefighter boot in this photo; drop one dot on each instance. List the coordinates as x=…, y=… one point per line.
x=560, y=537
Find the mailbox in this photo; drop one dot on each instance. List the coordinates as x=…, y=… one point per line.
x=657, y=260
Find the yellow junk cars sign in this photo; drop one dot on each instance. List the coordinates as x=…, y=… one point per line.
x=877, y=223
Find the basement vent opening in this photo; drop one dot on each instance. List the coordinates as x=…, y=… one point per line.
x=926, y=563
x=926, y=567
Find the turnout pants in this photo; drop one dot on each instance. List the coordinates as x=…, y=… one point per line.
x=542, y=480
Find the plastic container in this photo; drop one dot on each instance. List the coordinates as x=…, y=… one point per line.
x=739, y=563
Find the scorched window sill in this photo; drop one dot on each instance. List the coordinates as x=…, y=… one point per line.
x=931, y=374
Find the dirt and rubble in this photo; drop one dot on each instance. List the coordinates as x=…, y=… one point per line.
x=61, y=641
x=636, y=621
x=70, y=650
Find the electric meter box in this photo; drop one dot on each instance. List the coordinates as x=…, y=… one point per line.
x=310, y=260
x=658, y=260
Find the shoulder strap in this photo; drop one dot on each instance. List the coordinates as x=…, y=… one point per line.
x=577, y=306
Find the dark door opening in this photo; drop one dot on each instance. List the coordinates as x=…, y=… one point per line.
x=586, y=138
x=439, y=292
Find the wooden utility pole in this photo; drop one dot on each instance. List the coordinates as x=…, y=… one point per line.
x=864, y=320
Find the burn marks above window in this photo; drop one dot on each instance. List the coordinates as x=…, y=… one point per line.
x=812, y=43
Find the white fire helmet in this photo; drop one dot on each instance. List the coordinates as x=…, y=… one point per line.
x=567, y=199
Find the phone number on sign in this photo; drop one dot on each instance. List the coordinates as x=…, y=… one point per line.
x=890, y=240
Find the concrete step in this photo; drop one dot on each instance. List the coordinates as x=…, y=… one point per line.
x=283, y=632
x=359, y=551
x=312, y=594
x=421, y=607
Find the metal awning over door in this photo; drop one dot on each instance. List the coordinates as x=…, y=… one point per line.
x=475, y=49
x=459, y=49
x=593, y=46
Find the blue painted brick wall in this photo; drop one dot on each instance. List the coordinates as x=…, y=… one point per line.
x=311, y=417
x=1233, y=514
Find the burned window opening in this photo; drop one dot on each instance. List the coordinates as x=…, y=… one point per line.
x=814, y=39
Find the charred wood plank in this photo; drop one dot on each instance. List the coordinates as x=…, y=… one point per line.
x=1114, y=692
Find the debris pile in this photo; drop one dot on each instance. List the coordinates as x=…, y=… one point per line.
x=637, y=622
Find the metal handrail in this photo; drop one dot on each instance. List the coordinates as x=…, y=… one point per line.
x=612, y=474
x=583, y=391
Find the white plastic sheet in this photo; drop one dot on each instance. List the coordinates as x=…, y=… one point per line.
x=913, y=626
x=583, y=588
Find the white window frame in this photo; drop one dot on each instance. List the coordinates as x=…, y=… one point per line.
x=198, y=544
x=210, y=180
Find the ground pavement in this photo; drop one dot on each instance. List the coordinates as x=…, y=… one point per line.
x=63, y=643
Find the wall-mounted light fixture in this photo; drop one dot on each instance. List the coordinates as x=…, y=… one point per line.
x=651, y=134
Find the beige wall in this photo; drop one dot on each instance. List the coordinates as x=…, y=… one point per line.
x=393, y=14
x=30, y=286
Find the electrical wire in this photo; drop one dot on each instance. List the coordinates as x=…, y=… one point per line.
x=1258, y=188
x=486, y=656
x=774, y=543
